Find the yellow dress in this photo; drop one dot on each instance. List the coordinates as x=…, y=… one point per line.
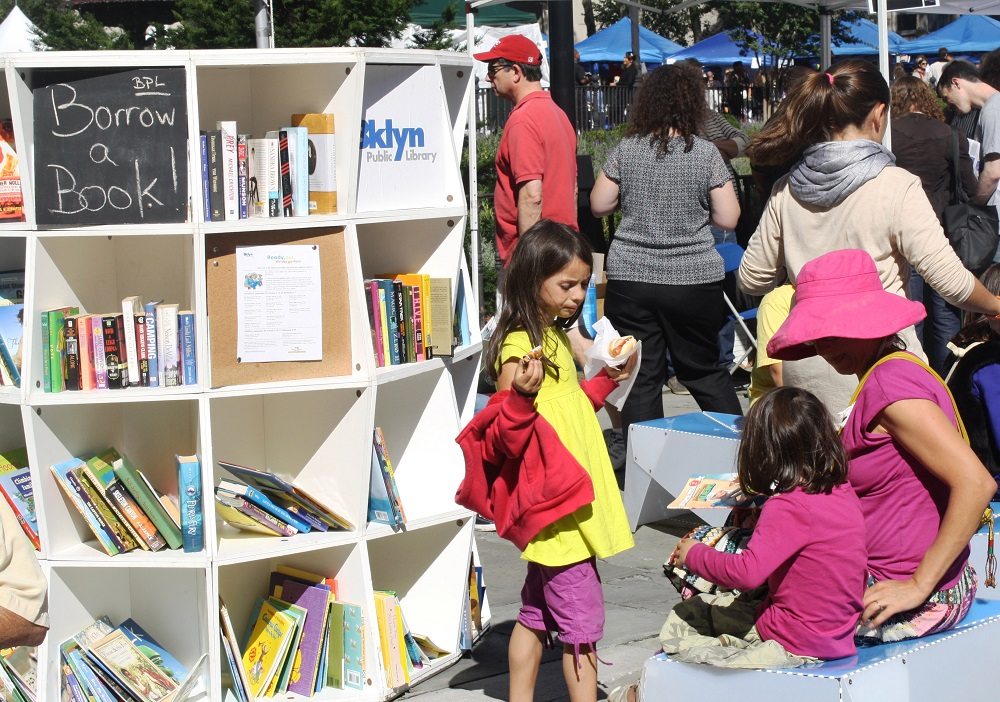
x=598, y=529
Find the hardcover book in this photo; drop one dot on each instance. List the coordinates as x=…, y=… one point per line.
x=150, y=505
x=266, y=645
x=15, y=484
x=11, y=333
x=315, y=601
x=189, y=493
x=133, y=668
x=70, y=485
x=323, y=170
x=354, y=634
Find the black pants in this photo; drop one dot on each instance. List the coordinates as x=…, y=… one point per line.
x=684, y=320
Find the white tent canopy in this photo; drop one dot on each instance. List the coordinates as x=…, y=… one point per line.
x=17, y=33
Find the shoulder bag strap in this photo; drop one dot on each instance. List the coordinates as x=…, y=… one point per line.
x=957, y=192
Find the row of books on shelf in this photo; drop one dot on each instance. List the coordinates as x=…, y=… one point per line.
x=150, y=344
x=471, y=627
x=403, y=651
x=290, y=172
x=107, y=663
x=123, y=509
x=266, y=503
x=18, y=673
x=410, y=316
x=300, y=638
x=384, y=504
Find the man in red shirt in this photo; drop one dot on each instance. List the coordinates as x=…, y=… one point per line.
x=536, y=160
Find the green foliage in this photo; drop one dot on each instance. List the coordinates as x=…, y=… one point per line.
x=598, y=143
x=209, y=24
x=777, y=32
x=436, y=36
x=673, y=25
x=61, y=28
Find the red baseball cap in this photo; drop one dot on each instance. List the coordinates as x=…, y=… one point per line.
x=513, y=47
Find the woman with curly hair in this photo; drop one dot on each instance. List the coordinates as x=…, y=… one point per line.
x=664, y=274
x=924, y=145
x=845, y=192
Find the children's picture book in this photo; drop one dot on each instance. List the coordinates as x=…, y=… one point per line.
x=712, y=491
x=229, y=635
x=266, y=646
x=134, y=669
x=11, y=332
x=11, y=199
x=15, y=485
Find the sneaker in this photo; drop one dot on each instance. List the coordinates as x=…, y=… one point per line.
x=676, y=387
x=484, y=524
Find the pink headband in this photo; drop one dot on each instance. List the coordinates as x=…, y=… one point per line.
x=829, y=77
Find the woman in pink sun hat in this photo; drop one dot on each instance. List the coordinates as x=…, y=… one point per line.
x=922, y=489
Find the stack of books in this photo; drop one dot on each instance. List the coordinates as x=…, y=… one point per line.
x=149, y=344
x=18, y=673
x=291, y=172
x=384, y=504
x=300, y=639
x=15, y=486
x=11, y=325
x=123, y=509
x=266, y=503
x=410, y=316
x=103, y=662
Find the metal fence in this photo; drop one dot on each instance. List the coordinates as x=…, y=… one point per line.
x=604, y=107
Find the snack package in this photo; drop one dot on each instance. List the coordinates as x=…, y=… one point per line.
x=609, y=351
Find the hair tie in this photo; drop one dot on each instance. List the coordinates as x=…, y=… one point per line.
x=829, y=77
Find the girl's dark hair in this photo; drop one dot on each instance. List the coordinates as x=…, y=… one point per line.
x=910, y=94
x=975, y=326
x=989, y=69
x=818, y=107
x=541, y=252
x=671, y=98
x=789, y=442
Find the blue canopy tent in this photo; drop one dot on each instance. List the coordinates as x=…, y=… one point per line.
x=967, y=34
x=718, y=49
x=864, y=40
x=610, y=44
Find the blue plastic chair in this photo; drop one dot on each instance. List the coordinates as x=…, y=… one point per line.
x=732, y=254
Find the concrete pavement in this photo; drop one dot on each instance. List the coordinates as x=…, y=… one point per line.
x=637, y=599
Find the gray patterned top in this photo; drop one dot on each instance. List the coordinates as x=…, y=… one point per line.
x=664, y=236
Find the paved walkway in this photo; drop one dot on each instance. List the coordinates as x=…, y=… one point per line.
x=637, y=599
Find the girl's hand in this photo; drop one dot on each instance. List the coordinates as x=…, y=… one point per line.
x=889, y=597
x=528, y=376
x=681, y=551
x=624, y=372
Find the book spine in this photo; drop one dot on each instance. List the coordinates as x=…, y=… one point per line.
x=230, y=176
x=85, y=330
x=273, y=182
x=254, y=512
x=206, y=202
x=354, y=671
x=384, y=331
x=265, y=503
x=284, y=168
x=141, y=345
x=130, y=307
x=92, y=515
x=216, y=174
x=142, y=527
x=69, y=678
x=57, y=341
x=374, y=314
x=72, y=336
x=192, y=518
x=189, y=355
x=169, y=349
x=100, y=359
x=46, y=355
x=300, y=188
x=393, y=311
x=149, y=504
x=112, y=354
x=418, y=323
x=242, y=174
x=399, y=302
x=411, y=337
x=119, y=533
x=151, y=348
x=25, y=524
x=124, y=358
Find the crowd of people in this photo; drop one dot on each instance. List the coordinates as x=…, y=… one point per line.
x=876, y=471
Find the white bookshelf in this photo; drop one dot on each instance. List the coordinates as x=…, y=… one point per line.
x=316, y=431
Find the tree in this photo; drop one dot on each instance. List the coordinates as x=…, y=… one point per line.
x=62, y=28
x=776, y=33
x=673, y=25
x=209, y=24
x=436, y=36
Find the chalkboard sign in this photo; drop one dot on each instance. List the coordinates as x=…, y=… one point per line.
x=112, y=149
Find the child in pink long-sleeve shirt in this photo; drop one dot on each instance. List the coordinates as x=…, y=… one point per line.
x=809, y=543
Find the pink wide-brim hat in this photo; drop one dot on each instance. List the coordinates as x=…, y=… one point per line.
x=840, y=295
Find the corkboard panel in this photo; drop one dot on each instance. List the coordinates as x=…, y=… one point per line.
x=222, y=323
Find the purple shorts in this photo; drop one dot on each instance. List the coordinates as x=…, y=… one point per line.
x=566, y=599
